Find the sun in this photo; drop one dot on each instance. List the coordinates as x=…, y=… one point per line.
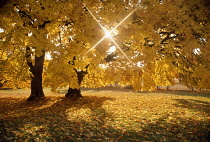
x=108, y=34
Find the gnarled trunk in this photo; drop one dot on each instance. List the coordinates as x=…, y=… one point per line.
x=73, y=92
x=36, y=70
x=76, y=92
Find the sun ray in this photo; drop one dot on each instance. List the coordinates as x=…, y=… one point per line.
x=94, y=18
x=95, y=45
x=123, y=20
x=108, y=33
x=121, y=50
x=100, y=26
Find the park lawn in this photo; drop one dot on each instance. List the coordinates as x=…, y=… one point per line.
x=105, y=115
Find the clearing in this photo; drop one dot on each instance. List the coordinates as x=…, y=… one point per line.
x=105, y=115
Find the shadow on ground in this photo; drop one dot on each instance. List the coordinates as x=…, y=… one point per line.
x=196, y=105
x=50, y=119
x=62, y=119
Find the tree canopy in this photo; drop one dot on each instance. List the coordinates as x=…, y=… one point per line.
x=156, y=41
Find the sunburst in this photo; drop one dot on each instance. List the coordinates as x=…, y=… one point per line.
x=108, y=33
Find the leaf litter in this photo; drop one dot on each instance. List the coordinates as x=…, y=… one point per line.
x=107, y=116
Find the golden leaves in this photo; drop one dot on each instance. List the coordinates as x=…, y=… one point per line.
x=106, y=115
x=67, y=29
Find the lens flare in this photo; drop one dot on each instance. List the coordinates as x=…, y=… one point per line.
x=95, y=18
x=123, y=20
x=108, y=34
x=120, y=49
x=95, y=45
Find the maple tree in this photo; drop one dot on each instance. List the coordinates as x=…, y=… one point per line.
x=156, y=42
x=71, y=57
x=171, y=32
x=26, y=26
x=166, y=44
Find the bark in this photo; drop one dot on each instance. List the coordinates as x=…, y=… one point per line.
x=73, y=92
x=191, y=88
x=167, y=88
x=36, y=78
x=76, y=92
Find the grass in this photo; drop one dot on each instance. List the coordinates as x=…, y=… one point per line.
x=105, y=115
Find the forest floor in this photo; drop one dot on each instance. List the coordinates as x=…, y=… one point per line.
x=105, y=115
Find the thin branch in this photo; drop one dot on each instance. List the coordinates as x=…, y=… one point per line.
x=86, y=67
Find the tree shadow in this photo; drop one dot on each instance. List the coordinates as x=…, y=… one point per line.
x=86, y=119
x=193, y=104
x=82, y=117
x=172, y=128
x=14, y=105
x=52, y=122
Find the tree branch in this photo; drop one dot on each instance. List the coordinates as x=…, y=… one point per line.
x=86, y=67
x=110, y=57
x=28, y=58
x=83, y=72
x=167, y=36
x=72, y=62
x=44, y=24
x=24, y=14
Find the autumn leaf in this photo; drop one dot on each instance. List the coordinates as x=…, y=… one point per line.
x=106, y=115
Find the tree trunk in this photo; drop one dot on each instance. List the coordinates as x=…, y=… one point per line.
x=191, y=88
x=36, y=82
x=73, y=92
x=76, y=92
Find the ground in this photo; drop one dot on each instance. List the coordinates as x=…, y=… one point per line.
x=105, y=115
